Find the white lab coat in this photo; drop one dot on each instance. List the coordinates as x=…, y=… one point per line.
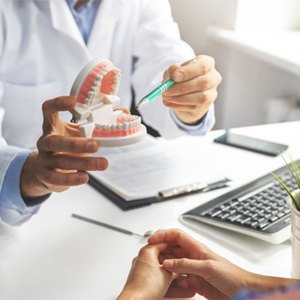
x=42, y=50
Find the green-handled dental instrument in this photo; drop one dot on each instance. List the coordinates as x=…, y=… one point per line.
x=162, y=88
x=156, y=92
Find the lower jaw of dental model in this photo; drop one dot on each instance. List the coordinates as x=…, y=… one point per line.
x=95, y=89
x=125, y=125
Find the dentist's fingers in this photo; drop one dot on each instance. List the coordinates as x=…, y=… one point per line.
x=59, y=143
x=51, y=109
x=58, y=181
x=199, y=66
x=199, y=84
x=83, y=163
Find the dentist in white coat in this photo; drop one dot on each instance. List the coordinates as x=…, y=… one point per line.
x=43, y=46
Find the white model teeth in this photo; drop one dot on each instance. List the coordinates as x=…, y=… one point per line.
x=125, y=126
x=117, y=80
x=96, y=84
x=103, y=72
x=125, y=123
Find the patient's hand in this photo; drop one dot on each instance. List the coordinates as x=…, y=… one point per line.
x=63, y=157
x=147, y=279
x=208, y=273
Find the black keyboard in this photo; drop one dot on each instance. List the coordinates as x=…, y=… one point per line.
x=258, y=209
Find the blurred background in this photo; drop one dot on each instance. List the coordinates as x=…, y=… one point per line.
x=256, y=45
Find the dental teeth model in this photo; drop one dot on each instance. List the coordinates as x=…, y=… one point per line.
x=95, y=89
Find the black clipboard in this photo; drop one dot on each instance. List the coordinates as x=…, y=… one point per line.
x=117, y=199
x=161, y=196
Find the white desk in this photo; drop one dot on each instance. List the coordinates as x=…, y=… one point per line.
x=54, y=256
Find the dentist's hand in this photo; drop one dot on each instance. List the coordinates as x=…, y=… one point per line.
x=62, y=157
x=195, y=89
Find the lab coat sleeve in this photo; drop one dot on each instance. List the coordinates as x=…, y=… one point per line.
x=6, y=153
x=157, y=45
x=204, y=126
x=13, y=210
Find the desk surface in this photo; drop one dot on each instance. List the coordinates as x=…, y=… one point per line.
x=54, y=256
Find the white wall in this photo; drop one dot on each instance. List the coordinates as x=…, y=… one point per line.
x=271, y=15
x=194, y=16
x=247, y=81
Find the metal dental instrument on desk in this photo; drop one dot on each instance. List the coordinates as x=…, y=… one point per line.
x=145, y=235
x=160, y=89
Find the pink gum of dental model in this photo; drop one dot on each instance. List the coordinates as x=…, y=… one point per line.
x=95, y=89
x=104, y=77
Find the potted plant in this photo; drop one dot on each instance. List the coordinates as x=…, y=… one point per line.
x=294, y=203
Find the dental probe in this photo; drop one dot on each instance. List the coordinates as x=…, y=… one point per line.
x=145, y=235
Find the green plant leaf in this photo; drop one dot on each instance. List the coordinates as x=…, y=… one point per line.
x=287, y=190
x=296, y=170
x=291, y=167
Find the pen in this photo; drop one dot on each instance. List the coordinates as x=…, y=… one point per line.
x=160, y=89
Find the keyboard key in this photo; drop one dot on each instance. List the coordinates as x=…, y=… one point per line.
x=224, y=207
x=268, y=216
x=274, y=218
x=234, y=218
x=233, y=202
x=254, y=224
x=224, y=216
x=244, y=220
x=263, y=224
x=215, y=213
x=261, y=212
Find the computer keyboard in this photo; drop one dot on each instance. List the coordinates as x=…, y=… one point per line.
x=258, y=209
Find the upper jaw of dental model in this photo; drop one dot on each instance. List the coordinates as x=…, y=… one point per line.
x=97, y=78
x=95, y=88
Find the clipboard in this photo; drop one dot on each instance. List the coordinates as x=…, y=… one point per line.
x=116, y=198
x=156, y=170
x=168, y=194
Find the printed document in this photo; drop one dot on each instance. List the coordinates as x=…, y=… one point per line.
x=154, y=165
